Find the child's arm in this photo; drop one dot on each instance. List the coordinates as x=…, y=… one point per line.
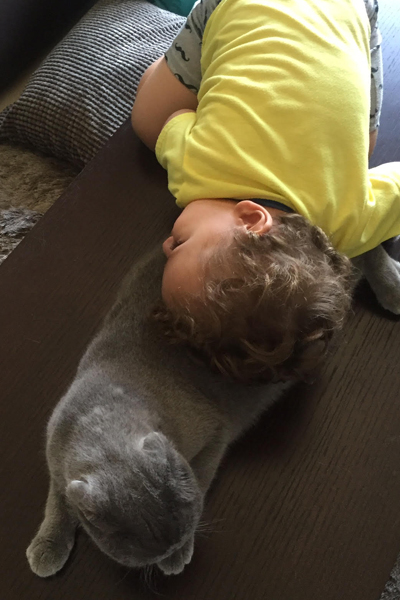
x=373, y=136
x=168, y=87
x=159, y=95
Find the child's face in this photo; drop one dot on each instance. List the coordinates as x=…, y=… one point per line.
x=194, y=238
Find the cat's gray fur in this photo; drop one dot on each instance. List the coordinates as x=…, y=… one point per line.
x=134, y=444
x=382, y=272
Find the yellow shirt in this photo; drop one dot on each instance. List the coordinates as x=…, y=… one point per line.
x=283, y=114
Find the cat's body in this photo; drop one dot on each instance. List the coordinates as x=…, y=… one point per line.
x=135, y=443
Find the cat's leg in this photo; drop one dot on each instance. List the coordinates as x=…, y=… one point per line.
x=383, y=274
x=206, y=462
x=174, y=564
x=53, y=543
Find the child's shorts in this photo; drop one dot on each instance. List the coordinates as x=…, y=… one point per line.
x=187, y=48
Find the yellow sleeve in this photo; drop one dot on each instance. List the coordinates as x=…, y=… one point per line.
x=385, y=198
x=171, y=148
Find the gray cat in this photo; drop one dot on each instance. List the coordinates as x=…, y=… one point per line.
x=134, y=444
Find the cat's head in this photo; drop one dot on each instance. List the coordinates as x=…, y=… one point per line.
x=139, y=511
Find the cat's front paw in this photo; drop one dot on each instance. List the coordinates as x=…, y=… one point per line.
x=174, y=564
x=46, y=556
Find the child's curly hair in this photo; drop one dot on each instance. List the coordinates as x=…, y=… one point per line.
x=271, y=303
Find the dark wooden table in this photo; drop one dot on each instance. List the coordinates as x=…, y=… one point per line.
x=306, y=506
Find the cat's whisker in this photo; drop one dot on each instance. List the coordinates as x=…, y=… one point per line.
x=205, y=527
x=149, y=574
x=212, y=521
x=124, y=576
x=145, y=577
x=203, y=535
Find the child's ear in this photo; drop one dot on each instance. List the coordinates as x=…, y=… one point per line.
x=253, y=217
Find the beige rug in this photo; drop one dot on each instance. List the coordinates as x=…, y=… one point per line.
x=29, y=184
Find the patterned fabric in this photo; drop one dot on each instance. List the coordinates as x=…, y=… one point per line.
x=184, y=55
x=376, y=64
x=85, y=88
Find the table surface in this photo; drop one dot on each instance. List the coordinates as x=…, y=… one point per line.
x=305, y=506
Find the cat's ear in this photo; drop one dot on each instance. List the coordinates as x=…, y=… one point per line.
x=81, y=494
x=155, y=445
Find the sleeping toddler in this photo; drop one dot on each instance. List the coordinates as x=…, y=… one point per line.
x=264, y=113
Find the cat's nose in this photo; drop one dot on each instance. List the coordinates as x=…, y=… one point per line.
x=167, y=245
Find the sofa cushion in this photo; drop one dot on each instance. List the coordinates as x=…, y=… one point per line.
x=84, y=90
